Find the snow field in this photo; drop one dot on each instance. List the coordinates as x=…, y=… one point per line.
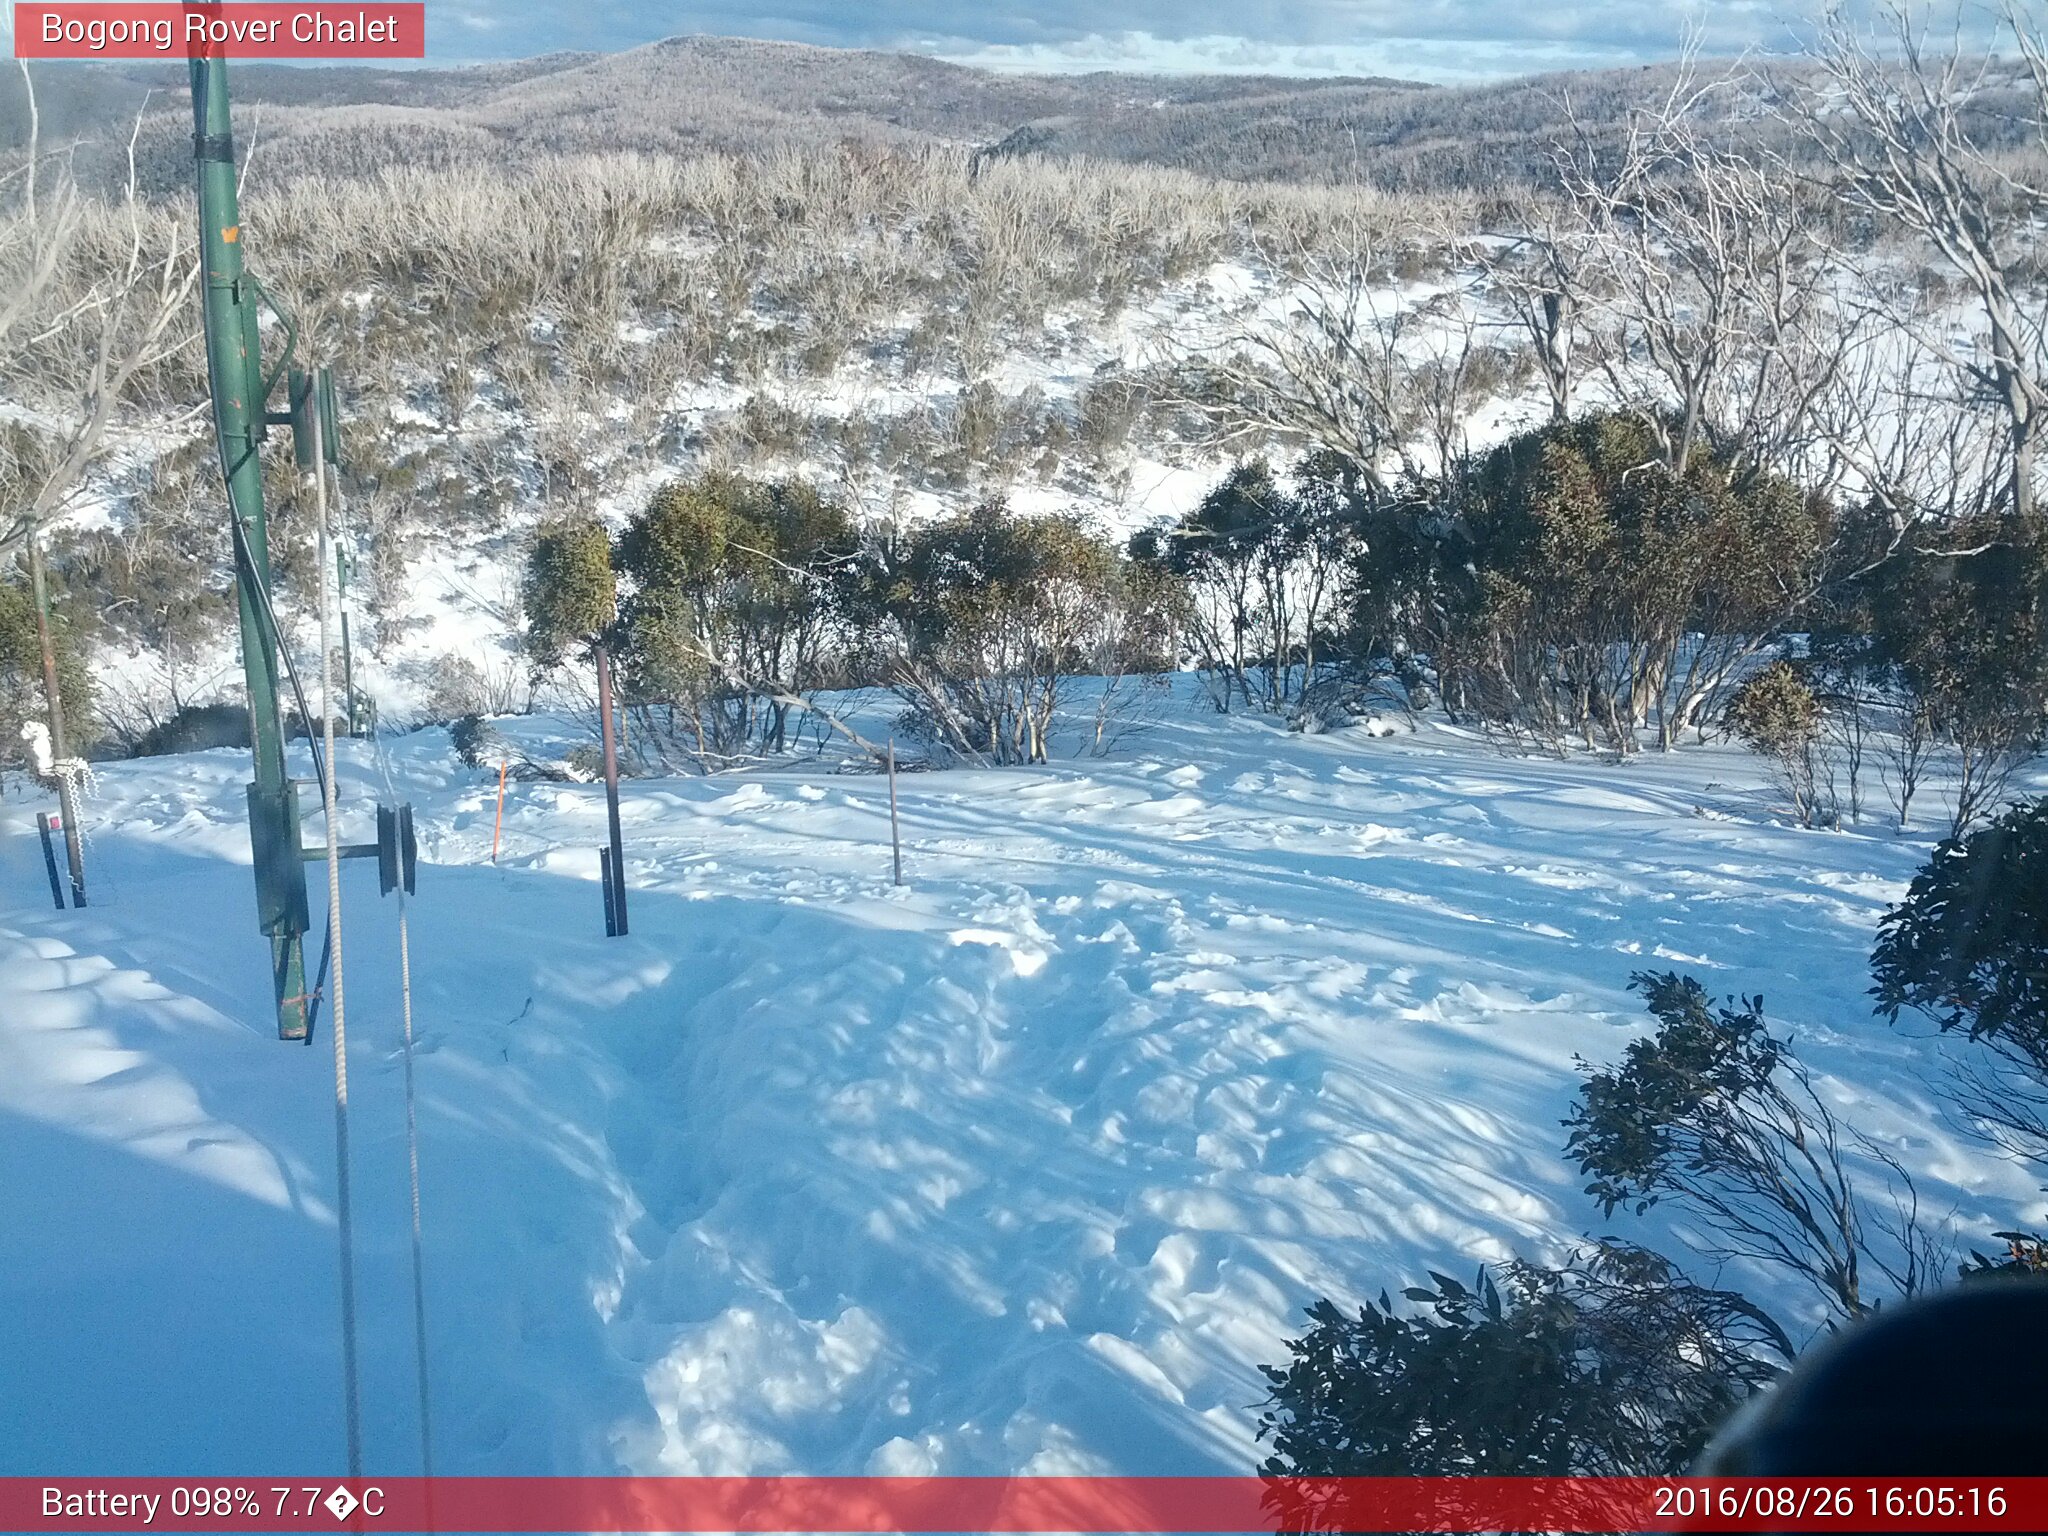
x=1023, y=1167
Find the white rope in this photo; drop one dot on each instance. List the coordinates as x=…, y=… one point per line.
x=344, y=1213
x=412, y=1142
x=412, y=1148
x=412, y=1137
x=85, y=784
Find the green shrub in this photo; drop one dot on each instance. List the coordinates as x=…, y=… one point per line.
x=473, y=739
x=196, y=728
x=1776, y=714
x=569, y=593
x=1613, y=1364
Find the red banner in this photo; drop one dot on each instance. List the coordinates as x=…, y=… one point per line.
x=1024, y=1504
x=317, y=30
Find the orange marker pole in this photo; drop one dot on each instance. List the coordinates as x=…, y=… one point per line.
x=499, y=830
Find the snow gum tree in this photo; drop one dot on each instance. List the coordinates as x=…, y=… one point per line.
x=1600, y=594
x=982, y=622
x=733, y=611
x=1264, y=566
x=1969, y=944
x=1966, y=637
x=1227, y=552
x=1968, y=947
x=1720, y=1118
x=1694, y=268
x=1906, y=124
x=569, y=593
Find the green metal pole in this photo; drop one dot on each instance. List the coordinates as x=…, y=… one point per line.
x=235, y=371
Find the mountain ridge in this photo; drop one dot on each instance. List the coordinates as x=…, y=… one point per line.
x=699, y=93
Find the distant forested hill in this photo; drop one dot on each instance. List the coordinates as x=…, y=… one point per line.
x=740, y=95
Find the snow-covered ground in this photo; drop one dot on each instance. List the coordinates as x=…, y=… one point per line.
x=1024, y=1166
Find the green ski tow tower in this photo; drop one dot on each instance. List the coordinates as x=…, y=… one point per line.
x=241, y=390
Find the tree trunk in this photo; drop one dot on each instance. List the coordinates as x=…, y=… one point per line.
x=53, y=697
x=2023, y=446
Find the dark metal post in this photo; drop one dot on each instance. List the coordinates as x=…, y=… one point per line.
x=895, y=831
x=611, y=787
x=604, y=878
x=50, y=859
x=348, y=661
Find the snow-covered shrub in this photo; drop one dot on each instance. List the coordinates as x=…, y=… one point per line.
x=1611, y=1364
x=1969, y=948
x=1353, y=697
x=472, y=738
x=195, y=728
x=1110, y=409
x=459, y=686
x=1587, y=591
x=1774, y=711
x=1969, y=944
x=1718, y=1116
x=1263, y=566
x=1967, y=639
x=569, y=594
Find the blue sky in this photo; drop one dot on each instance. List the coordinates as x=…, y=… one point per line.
x=1421, y=39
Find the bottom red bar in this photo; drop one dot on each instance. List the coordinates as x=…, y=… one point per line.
x=1024, y=1504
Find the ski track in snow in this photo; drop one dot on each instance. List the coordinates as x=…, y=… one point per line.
x=1024, y=1167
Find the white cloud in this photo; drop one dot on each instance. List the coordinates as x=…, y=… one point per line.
x=1407, y=58
x=1440, y=40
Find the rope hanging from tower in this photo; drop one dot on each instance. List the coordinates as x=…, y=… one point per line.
x=241, y=388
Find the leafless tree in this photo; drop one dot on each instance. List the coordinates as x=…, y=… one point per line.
x=33, y=241
x=1985, y=749
x=1998, y=1092
x=1358, y=363
x=1890, y=426
x=1904, y=753
x=1716, y=323
x=1902, y=119
x=70, y=355
x=73, y=350
x=1540, y=273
